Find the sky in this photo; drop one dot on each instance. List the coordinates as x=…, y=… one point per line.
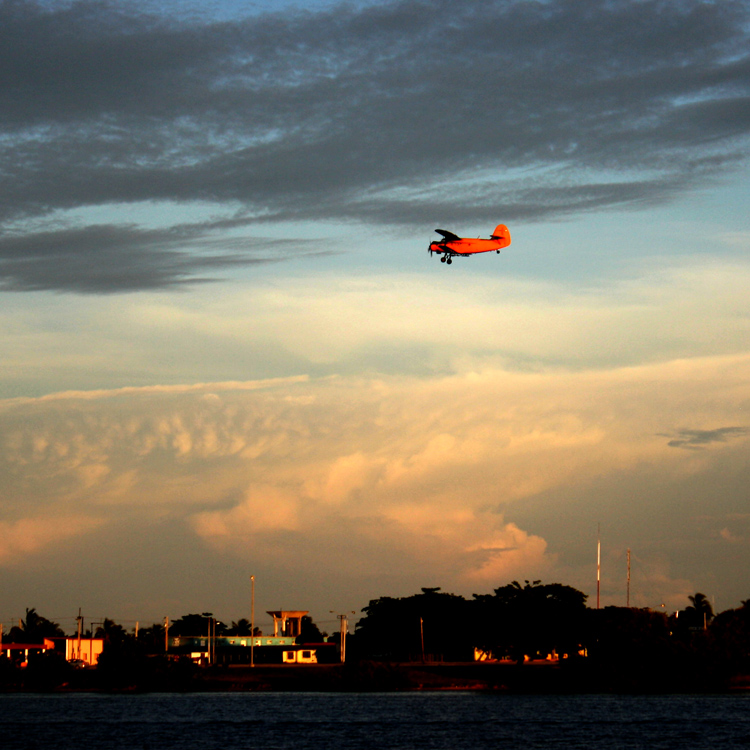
x=226, y=351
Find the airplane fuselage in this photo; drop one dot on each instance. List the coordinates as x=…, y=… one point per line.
x=451, y=245
x=465, y=246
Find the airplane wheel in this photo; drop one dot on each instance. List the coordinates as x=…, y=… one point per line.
x=442, y=259
x=449, y=261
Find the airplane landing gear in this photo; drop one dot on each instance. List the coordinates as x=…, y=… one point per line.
x=449, y=261
x=442, y=259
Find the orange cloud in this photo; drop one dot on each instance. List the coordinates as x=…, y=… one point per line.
x=30, y=535
x=407, y=469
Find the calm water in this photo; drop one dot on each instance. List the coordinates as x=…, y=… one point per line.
x=459, y=721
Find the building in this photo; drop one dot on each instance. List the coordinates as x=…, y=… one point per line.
x=279, y=648
x=85, y=650
x=287, y=622
x=19, y=653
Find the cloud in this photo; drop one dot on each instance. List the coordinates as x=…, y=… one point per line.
x=511, y=553
x=364, y=479
x=729, y=536
x=27, y=536
x=393, y=114
x=104, y=259
x=393, y=323
x=696, y=439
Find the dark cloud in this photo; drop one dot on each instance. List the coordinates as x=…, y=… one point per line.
x=392, y=113
x=695, y=439
x=121, y=258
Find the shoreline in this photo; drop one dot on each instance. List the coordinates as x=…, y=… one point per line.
x=369, y=677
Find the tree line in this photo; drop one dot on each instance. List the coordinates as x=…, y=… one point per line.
x=612, y=647
x=527, y=621
x=517, y=622
x=33, y=629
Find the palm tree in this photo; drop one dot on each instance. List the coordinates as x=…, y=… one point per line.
x=35, y=628
x=241, y=627
x=700, y=610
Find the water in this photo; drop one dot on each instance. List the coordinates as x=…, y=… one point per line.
x=393, y=721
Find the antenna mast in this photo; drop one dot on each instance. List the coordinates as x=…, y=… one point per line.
x=598, y=562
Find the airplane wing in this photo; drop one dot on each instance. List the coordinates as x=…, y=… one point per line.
x=448, y=236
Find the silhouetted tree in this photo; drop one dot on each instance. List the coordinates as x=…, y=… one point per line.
x=394, y=629
x=242, y=627
x=700, y=612
x=196, y=626
x=690, y=625
x=309, y=631
x=152, y=638
x=626, y=634
x=531, y=620
x=34, y=629
x=730, y=639
x=111, y=632
x=632, y=649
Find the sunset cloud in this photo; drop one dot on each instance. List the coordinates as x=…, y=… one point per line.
x=27, y=536
x=343, y=416
x=422, y=474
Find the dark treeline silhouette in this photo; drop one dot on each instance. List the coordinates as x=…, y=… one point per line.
x=33, y=629
x=613, y=648
x=517, y=622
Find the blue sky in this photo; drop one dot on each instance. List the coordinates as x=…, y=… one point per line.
x=227, y=351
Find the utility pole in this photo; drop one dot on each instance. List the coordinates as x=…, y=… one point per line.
x=210, y=660
x=421, y=635
x=80, y=628
x=166, y=633
x=343, y=632
x=598, y=562
x=252, y=621
x=628, y=597
x=211, y=638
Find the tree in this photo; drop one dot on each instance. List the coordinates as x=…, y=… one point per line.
x=152, y=638
x=309, y=631
x=730, y=639
x=530, y=620
x=242, y=627
x=34, y=629
x=632, y=649
x=197, y=626
x=700, y=612
x=432, y=624
x=111, y=632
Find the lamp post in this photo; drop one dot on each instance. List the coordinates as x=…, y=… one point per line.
x=252, y=621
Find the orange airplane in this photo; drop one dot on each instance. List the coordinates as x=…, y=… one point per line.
x=452, y=246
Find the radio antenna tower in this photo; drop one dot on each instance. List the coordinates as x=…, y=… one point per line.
x=598, y=561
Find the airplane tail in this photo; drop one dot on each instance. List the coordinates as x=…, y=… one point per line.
x=501, y=233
